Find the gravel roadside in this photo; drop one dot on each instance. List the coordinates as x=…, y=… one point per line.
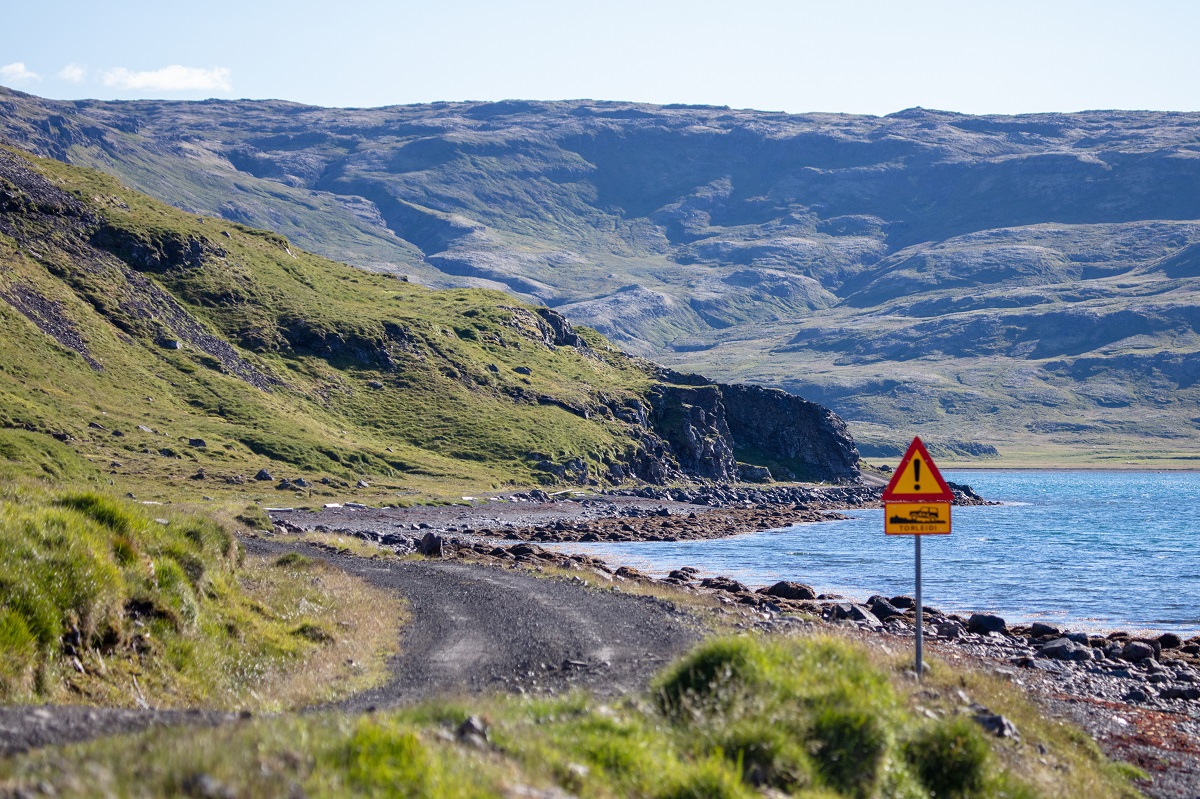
x=477, y=629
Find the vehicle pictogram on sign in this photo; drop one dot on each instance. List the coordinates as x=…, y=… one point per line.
x=916, y=518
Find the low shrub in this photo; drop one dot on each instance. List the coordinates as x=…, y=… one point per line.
x=770, y=755
x=850, y=743
x=711, y=677
x=950, y=758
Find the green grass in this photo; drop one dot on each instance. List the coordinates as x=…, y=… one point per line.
x=25, y=454
x=103, y=602
x=807, y=717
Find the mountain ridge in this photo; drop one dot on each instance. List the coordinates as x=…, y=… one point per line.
x=823, y=253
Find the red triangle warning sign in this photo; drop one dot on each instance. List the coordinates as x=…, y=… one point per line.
x=917, y=479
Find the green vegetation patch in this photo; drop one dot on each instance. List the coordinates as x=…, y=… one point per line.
x=26, y=454
x=736, y=718
x=101, y=601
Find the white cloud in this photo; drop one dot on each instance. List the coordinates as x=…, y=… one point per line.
x=73, y=73
x=174, y=78
x=17, y=73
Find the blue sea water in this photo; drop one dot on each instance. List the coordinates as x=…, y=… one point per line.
x=1091, y=550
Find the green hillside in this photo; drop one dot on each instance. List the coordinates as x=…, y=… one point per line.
x=176, y=352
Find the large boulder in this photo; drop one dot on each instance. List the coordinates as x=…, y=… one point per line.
x=749, y=473
x=1040, y=630
x=882, y=609
x=859, y=614
x=785, y=589
x=630, y=573
x=949, y=629
x=431, y=545
x=997, y=725
x=724, y=584
x=1169, y=641
x=1137, y=651
x=984, y=623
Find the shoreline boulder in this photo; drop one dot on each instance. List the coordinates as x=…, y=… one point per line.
x=786, y=589
x=984, y=623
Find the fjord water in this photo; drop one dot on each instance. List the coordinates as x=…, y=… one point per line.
x=1091, y=550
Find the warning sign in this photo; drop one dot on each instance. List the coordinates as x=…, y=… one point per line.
x=916, y=518
x=917, y=479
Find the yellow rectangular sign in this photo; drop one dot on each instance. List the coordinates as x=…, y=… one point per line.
x=916, y=518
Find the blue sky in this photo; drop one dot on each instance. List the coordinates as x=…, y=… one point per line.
x=862, y=57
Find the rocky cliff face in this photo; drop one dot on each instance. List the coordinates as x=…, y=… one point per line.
x=692, y=420
x=728, y=432
x=793, y=437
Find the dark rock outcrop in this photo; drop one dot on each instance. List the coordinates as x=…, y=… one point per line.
x=706, y=425
x=721, y=583
x=692, y=420
x=785, y=589
x=560, y=333
x=789, y=433
x=984, y=623
x=1066, y=649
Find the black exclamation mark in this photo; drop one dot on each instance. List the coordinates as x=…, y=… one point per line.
x=916, y=474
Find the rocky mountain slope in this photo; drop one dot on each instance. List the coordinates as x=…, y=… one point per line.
x=1022, y=284
x=169, y=349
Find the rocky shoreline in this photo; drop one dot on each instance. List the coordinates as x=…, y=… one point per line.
x=1158, y=672
x=1138, y=695
x=649, y=513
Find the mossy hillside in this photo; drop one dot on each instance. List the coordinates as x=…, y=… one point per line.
x=364, y=375
x=26, y=454
x=134, y=418
x=102, y=602
x=738, y=717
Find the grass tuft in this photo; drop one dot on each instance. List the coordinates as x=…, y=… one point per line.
x=94, y=582
x=294, y=560
x=950, y=757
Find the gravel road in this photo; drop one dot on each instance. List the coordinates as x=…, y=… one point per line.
x=473, y=629
x=477, y=628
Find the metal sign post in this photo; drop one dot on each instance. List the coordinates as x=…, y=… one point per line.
x=917, y=505
x=920, y=611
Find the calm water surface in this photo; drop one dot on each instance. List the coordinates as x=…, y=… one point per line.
x=1094, y=550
